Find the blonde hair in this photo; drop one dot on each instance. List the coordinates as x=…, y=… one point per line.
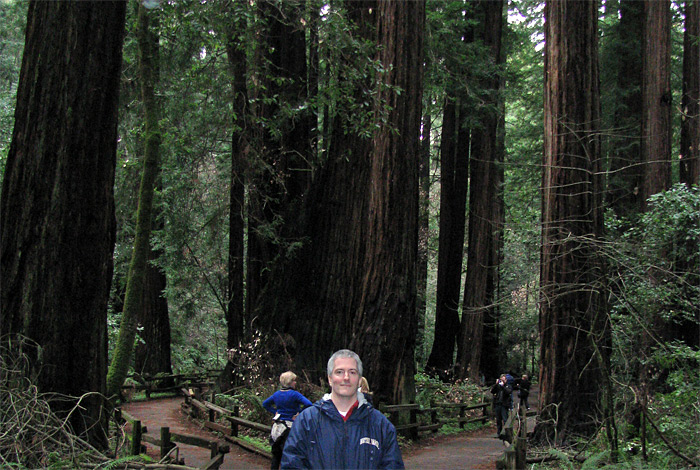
x=287, y=378
x=364, y=385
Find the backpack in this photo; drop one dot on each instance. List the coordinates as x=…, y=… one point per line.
x=510, y=381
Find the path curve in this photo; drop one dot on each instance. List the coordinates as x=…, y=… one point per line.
x=168, y=412
x=478, y=450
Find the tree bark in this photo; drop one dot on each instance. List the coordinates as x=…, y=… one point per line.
x=625, y=175
x=423, y=238
x=283, y=144
x=133, y=301
x=454, y=181
x=235, y=310
x=353, y=283
x=656, y=99
x=479, y=288
x=387, y=307
x=572, y=307
x=690, y=101
x=57, y=208
x=152, y=355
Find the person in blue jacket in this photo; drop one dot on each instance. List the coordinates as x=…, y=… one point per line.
x=285, y=404
x=342, y=430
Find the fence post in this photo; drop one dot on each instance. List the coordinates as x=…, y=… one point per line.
x=214, y=447
x=462, y=414
x=234, y=424
x=521, y=439
x=136, y=434
x=165, y=444
x=414, y=420
x=433, y=415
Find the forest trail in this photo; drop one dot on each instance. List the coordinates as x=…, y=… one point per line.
x=478, y=450
x=167, y=412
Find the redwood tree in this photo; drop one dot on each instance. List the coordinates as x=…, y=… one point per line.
x=280, y=171
x=656, y=99
x=479, y=289
x=57, y=209
x=235, y=49
x=353, y=284
x=152, y=354
x=385, y=318
x=690, y=100
x=625, y=175
x=138, y=266
x=454, y=181
x=573, y=325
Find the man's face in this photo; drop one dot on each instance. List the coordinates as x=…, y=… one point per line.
x=345, y=377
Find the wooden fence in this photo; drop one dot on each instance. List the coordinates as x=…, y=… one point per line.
x=168, y=383
x=516, y=434
x=412, y=425
x=167, y=442
x=409, y=419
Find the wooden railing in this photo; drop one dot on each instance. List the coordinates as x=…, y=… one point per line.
x=169, y=452
x=409, y=419
x=413, y=425
x=168, y=383
x=199, y=408
x=516, y=433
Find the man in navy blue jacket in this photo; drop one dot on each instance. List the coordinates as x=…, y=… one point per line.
x=342, y=430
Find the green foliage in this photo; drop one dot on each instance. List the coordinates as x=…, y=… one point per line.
x=654, y=265
x=13, y=16
x=430, y=388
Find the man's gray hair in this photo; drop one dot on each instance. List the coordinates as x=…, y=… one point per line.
x=344, y=353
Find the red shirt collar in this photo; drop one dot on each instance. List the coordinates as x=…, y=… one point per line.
x=352, y=408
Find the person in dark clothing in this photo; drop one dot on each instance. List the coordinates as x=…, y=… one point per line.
x=524, y=391
x=342, y=430
x=502, y=401
x=285, y=404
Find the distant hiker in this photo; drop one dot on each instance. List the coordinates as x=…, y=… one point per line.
x=524, y=391
x=364, y=389
x=285, y=404
x=502, y=402
x=342, y=430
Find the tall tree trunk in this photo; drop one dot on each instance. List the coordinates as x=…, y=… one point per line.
x=152, y=355
x=388, y=288
x=318, y=287
x=491, y=354
x=688, y=330
x=483, y=200
x=148, y=68
x=573, y=321
x=423, y=238
x=656, y=99
x=235, y=310
x=454, y=180
x=284, y=144
x=625, y=176
x=353, y=282
x=57, y=209
x=690, y=101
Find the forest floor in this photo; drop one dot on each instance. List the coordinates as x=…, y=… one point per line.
x=476, y=450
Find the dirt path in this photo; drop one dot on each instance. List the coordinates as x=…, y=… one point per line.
x=167, y=412
x=478, y=450
x=471, y=451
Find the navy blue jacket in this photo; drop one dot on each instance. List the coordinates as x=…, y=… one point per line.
x=320, y=439
x=286, y=402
